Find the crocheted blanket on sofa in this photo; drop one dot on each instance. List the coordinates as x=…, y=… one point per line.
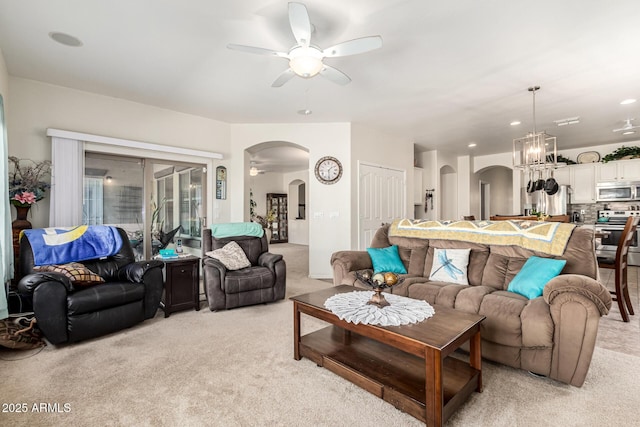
x=546, y=237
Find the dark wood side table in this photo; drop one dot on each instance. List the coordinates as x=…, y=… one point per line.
x=181, y=285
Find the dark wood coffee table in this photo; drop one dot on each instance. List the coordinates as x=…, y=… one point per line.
x=406, y=366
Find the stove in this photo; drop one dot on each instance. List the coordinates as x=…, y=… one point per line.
x=614, y=225
x=617, y=217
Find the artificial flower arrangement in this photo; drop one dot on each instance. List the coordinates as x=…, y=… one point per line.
x=26, y=182
x=266, y=220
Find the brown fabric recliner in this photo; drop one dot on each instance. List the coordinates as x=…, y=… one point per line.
x=264, y=281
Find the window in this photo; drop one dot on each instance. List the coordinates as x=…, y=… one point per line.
x=190, y=196
x=92, y=206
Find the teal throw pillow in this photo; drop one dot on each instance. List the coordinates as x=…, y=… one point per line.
x=386, y=260
x=534, y=275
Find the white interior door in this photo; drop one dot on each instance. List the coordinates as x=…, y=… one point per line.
x=381, y=198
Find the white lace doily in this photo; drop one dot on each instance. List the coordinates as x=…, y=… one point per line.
x=353, y=307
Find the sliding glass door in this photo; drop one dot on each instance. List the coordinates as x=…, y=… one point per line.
x=146, y=197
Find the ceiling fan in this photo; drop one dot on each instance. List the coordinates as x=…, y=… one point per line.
x=305, y=59
x=627, y=126
x=254, y=171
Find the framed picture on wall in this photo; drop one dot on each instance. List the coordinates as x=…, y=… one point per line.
x=221, y=183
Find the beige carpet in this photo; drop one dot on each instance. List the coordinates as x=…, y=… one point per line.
x=236, y=368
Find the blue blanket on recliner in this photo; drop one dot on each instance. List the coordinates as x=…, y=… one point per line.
x=73, y=244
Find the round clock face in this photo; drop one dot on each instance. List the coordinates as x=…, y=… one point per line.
x=328, y=170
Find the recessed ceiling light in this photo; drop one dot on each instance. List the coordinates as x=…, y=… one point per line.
x=65, y=39
x=627, y=101
x=472, y=144
x=514, y=123
x=305, y=112
x=629, y=132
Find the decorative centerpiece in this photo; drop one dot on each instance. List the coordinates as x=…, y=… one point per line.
x=378, y=282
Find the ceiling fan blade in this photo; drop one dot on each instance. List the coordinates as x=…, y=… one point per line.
x=335, y=75
x=626, y=128
x=300, y=23
x=283, y=78
x=354, y=47
x=257, y=50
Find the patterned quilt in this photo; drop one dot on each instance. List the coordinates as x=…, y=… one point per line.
x=546, y=237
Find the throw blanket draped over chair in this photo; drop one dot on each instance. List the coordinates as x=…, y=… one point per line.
x=62, y=245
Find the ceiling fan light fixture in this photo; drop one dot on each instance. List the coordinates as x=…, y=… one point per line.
x=253, y=171
x=306, y=62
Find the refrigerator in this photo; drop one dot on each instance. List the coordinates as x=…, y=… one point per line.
x=540, y=201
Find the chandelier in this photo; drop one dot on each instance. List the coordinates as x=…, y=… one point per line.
x=537, y=151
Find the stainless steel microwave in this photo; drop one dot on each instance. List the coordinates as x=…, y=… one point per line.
x=616, y=191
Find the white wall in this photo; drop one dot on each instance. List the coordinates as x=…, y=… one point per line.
x=326, y=235
x=446, y=193
x=430, y=179
x=37, y=106
x=464, y=191
x=298, y=228
x=378, y=148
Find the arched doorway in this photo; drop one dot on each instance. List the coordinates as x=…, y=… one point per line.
x=282, y=168
x=496, y=191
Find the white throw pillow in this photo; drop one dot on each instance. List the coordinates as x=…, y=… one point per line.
x=231, y=256
x=450, y=265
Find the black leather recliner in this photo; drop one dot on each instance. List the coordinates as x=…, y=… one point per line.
x=65, y=314
x=264, y=281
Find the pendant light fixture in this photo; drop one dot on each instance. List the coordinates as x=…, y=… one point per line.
x=537, y=151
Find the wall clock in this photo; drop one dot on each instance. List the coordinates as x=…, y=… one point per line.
x=328, y=170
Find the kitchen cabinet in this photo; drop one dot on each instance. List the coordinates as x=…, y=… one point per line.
x=563, y=175
x=621, y=170
x=417, y=186
x=583, y=183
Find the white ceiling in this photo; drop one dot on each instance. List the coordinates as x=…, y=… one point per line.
x=449, y=73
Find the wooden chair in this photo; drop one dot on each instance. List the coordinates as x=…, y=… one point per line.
x=619, y=264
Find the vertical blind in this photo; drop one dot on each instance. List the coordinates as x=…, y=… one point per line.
x=6, y=236
x=67, y=172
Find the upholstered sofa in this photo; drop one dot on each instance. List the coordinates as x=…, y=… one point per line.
x=552, y=335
